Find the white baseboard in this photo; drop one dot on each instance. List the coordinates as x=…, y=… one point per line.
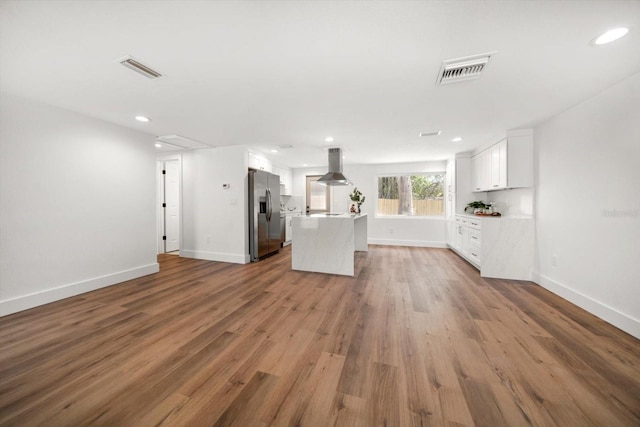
x=603, y=311
x=25, y=302
x=215, y=256
x=414, y=243
x=463, y=256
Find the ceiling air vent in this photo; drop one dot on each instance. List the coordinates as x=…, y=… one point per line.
x=430, y=133
x=135, y=65
x=182, y=142
x=461, y=69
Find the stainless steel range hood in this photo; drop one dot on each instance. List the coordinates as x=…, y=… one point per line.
x=334, y=176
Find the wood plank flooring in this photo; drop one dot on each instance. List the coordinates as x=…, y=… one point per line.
x=417, y=338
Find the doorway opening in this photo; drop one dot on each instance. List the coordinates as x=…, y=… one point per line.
x=169, y=206
x=318, y=196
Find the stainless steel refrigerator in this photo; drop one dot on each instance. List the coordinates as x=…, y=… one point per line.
x=264, y=219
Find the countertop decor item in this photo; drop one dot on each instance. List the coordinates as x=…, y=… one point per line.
x=477, y=206
x=358, y=198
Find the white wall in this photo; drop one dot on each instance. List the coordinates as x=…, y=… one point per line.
x=77, y=204
x=215, y=220
x=416, y=231
x=588, y=205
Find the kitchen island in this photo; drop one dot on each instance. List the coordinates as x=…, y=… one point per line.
x=326, y=243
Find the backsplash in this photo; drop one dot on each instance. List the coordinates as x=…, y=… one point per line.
x=517, y=202
x=291, y=203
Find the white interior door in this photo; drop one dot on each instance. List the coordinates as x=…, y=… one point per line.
x=172, y=205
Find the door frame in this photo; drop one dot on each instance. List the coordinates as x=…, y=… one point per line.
x=160, y=197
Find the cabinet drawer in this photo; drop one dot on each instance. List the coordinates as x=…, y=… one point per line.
x=461, y=220
x=474, y=237
x=474, y=223
x=474, y=254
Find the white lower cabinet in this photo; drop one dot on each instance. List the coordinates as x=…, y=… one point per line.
x=288, y=230
x=467, y=239
x=474, y=245
x=498, y=247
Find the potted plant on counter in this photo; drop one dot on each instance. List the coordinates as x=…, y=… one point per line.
x=358, y=199
x=475, y=207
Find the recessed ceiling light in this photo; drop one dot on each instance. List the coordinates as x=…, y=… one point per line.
x=456, y=139
x=610, y=36
x=328, y=139
x=305, y=164
x=143, y=119
x=274, y=151
x=158, y=145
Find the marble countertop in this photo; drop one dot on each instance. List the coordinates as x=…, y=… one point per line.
x=494, y=217
x=334, y=216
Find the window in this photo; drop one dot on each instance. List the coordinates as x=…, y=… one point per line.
x=416, y=195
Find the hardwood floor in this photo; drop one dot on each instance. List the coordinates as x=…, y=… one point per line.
x=416, y=338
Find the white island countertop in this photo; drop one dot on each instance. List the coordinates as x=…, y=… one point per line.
x=326, y=243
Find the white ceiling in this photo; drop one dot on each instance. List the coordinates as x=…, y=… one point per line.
x=266, y=73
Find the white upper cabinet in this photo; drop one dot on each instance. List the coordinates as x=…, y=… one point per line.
x=260, y=162
x=256, y=161
x=506, y=164
x=286, y=179
x=498, y=168
x=480, y=171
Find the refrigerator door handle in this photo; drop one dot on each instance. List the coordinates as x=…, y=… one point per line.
x=268, y=205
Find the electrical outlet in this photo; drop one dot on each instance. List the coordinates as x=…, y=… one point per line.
x=554, y=260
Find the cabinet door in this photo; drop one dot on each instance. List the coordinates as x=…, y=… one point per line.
x=476, y=173
x=503, y=164
x=265, y=165
x=499, y=165
x=481, y=171
x=287, y=180
x=288, y=229
x=495, y=166
x=462, y=238
x=254, y=161
x=485, y=179
x=259, y=162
